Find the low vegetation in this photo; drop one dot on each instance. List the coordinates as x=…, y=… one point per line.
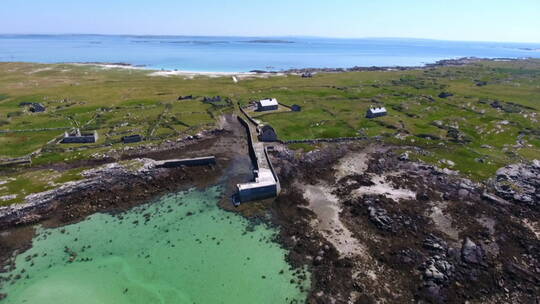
x=474, y=118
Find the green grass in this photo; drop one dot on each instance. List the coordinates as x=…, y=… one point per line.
x=120, y=102
x=25, y=183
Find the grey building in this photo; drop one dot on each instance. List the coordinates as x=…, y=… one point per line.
x=79, y=138
x=267, y=133
x=376, y=112
x=131, y=139
x=37, y=107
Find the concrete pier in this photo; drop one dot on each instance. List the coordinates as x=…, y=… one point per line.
x=266, y=183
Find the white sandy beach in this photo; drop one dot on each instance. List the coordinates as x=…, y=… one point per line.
x=169, y=73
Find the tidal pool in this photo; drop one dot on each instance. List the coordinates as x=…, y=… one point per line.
x=181, y=248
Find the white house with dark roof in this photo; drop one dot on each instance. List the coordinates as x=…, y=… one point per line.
x=376, y=112
x=269, y=104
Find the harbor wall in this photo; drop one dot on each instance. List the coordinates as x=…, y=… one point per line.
x=198, y=161
x=276, y=178
x=251, y=149
x=258, y=193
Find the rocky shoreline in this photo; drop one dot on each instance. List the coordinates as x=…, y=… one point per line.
x=414, y=232
x=423, y=234
x=440, y=63
x=118, y=183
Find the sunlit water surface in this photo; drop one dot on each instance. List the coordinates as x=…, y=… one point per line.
x=179, y=249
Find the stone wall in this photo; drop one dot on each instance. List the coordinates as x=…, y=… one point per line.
x=328, y=140
x=198, y=161
x=276, y=178
x=250, y=142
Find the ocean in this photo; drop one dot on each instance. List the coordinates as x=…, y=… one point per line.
x=243, y=54
x=181, y=248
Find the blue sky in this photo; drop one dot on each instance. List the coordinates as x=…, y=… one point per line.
x=480, y=20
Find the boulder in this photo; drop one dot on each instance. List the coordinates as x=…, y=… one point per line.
x=380, y=218
x=435, y=244
x=404, y=156
x=437, y=269
x=472, y=253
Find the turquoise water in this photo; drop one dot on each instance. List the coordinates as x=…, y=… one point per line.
x=241, y=54
x=179, y=249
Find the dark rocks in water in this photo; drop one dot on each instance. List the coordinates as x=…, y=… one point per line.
x=471, y=252
x=519, y=183
x=445, y=95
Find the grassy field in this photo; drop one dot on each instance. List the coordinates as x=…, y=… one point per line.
x=490, y=119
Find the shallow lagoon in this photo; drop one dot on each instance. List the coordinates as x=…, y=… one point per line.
x=181, y=248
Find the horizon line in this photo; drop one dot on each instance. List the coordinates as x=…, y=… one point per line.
x=262, y=36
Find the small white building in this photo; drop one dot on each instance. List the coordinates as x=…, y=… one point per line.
x=376, y=112
x=267, y=104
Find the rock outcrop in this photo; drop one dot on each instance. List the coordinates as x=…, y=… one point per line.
x=519, y=183
x=105, y=175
